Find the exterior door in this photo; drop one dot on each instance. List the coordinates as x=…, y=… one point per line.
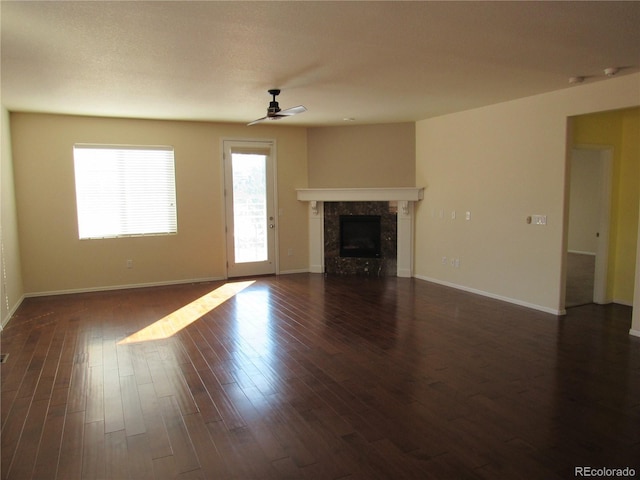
x=250, y=208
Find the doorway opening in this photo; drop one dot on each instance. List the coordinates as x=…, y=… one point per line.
x=589, y=226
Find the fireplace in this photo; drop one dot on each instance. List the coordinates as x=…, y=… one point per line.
x=360, y=236
x=396, y=228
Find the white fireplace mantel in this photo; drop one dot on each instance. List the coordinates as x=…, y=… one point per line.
x=404, y=196
x=412, y=194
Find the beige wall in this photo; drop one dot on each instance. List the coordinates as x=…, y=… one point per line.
x=362, y=156
x=11, y=287
x=54, y=260
x=503, y=163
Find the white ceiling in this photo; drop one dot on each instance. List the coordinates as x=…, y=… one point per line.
x=376, y=62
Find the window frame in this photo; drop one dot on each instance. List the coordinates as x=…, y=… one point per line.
x=110, y=177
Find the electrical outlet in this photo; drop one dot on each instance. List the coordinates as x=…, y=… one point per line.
x=444, y=260
x=129, y=263
x=290, y=252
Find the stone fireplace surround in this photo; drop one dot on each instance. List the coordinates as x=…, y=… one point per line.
x=382, y=266
x=403, y=197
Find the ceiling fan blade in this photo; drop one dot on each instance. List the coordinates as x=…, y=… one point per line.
x=268, y=118
x=292, y=111
x=258, y=121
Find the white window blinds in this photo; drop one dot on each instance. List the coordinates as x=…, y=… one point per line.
x=125, y=191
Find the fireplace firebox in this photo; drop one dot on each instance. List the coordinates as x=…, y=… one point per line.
x=360, y=236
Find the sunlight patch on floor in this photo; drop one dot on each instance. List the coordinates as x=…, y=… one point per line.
x=185, y=316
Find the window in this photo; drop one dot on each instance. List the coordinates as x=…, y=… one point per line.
x=125, y=191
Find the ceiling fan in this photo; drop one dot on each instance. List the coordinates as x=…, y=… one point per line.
x=274, y=112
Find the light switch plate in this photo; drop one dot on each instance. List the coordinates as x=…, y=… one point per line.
x=539, y=219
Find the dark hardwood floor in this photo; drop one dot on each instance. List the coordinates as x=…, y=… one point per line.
x=580, y=279
x=313, y=377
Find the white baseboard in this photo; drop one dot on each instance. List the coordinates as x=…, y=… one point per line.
x=593, y=254
x=10, y=313
x=635, y=333
x=289, y=272
x=494, y=296
x=124, y=287
x=137, y=285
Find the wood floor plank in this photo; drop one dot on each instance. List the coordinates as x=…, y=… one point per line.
x=94, y=406
x=14, y=372
x=93, y=451
x=204, y=404
x=131, y=407
x=139, y=363
x=180, y=389
x=65, y=363
x=79, y=374
x=181, y=445
x=241, y=454
x=34, y=370
x=159, y=444
x=46, y=463
x=211, y=462
x=27, y=448
x=7, y=398
x=139, y=461
x=70, y=463
x=113, y=409
x=250, y=404
x=49, y=368
x=165, y=468
x=123, y=357
x=227, y=411
x=159, y=376
x=309, y=376
x=12, y=433
x=116, y=455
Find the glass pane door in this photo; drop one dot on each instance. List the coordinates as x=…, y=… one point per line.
x=249, y=207
x=249, y=200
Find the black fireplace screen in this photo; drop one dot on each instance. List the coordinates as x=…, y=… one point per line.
x=360, y=236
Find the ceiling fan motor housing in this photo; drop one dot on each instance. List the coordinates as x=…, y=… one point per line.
x=275, y=113
x=273, y=108
x=273, y=104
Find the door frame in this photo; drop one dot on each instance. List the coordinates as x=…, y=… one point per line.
x=602, y=255
x=271, y=143
x=600, y=283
